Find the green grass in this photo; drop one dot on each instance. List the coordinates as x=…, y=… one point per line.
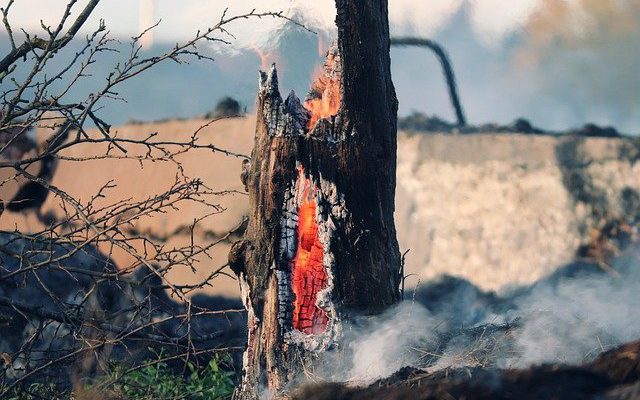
x=38, y=391
x=157, y=381
x=153, y=381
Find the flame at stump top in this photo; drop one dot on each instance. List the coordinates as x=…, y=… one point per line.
x=324, y=98
x=283, y=118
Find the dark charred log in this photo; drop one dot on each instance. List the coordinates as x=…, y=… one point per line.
x=321, y=240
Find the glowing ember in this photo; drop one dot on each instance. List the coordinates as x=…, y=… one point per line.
x=324, y=98
x=309, y=274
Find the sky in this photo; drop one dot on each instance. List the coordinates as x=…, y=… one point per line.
x=493, y=19
x=559, y=63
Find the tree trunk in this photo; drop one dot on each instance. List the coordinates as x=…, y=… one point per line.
x=321, y=240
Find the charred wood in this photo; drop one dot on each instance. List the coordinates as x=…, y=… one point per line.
x=321, y=240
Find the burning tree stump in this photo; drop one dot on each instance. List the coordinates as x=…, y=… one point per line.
x=321, y=240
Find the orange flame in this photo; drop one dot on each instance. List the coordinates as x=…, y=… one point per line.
x=324, y=98
x=265, y=58
x=309, y=274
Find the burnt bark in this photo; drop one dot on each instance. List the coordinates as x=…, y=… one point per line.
x=341, y=171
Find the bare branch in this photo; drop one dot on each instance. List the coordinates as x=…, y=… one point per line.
x=36, y=43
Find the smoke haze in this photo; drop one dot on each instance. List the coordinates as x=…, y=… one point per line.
x=569, y=317
x=559, y=63
x=147, y=15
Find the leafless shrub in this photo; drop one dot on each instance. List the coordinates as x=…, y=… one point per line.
x=63, y=302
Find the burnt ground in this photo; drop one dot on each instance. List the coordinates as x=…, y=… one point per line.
x=615, y=374
x=421, y=122
x=470, y=327
x=487, y=371
x=43, y=311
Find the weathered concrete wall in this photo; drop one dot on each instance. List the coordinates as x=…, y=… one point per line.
x=494, y=209
x=501, y=210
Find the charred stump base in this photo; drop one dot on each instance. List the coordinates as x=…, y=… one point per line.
x=321, y=237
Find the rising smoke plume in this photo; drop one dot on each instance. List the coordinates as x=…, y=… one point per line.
x=569, y=317
x=147, y=13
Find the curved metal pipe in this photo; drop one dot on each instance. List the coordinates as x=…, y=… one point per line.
x=447, y=68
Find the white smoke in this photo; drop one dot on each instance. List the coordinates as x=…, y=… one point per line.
x=493, y=20
x=569, y=318
x=391, y=344
x=577, y=318
x=180, y=20
x=147, y=15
